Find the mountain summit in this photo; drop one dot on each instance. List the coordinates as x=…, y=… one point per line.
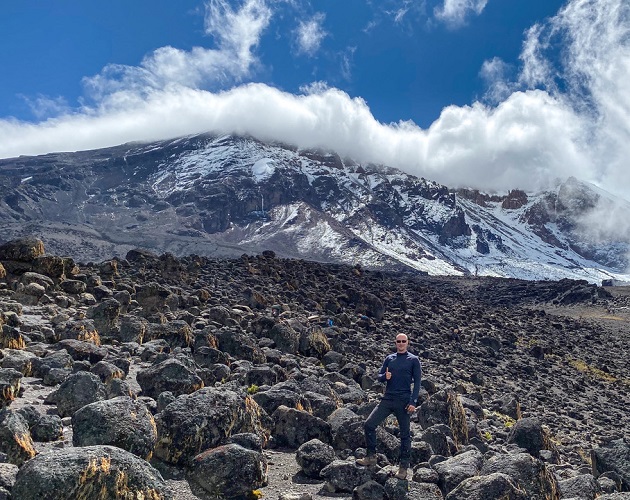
x=222, y=196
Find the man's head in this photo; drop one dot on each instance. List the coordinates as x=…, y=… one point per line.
x=402, y=342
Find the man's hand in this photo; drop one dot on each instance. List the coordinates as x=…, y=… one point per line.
x=410, y=408
x=387, y=374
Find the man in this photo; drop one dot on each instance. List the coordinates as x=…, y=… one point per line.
x=399, y=370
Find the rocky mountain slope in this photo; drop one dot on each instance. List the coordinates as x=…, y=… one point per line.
x=216, y=371
x=222, y=196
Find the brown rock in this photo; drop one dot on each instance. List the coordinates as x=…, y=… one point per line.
x=22, y=250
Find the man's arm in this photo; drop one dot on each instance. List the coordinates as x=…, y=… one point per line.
x=382, y=372
x=417, y=377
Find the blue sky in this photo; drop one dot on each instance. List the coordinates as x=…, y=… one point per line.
x=481, y=93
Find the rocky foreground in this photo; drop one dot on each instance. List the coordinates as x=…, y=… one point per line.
x=155, y=377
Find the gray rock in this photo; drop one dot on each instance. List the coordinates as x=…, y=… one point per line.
x=614, y=457
x=48, y=428
x=74, y=287
x=445, y=407
x=313, y=456
x=22, y=249
x=83, y=351
x=531, y=474
x=201, y=420
x=294, y=427
x=529, y=433
x=176, y=333
x=105, y=316
x=229, y=471
x=9, y=385
x=107, y=371
x=583, y=486
x=8, y=472
x=121, y=422
x=453, y=471
x=132, y=329
x=169, y=375
x=78, y=390
x=59, y=359
x=15, y=438
x=278, y=396
x=89, y=472
x=370, y=490
x=344, y=476
x=19, y=360
x=495, y=485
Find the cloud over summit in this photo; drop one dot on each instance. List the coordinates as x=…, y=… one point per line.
x=550, y=120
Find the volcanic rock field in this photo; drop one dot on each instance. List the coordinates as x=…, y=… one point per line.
x=157, y=377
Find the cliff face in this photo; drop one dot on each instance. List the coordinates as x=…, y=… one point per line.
x=223, y=196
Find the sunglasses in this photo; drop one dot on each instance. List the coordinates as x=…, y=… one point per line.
x=401, y=341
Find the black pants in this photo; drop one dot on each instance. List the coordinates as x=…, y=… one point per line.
x=384, y=409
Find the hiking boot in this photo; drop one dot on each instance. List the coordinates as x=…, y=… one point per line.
x=367, y=461
x=402, y=473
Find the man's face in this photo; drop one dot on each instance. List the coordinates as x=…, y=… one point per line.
x=401, y=343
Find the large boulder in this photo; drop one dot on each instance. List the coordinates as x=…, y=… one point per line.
x=152, y=297
x=205, y=419
x=294, y=427
x=281, y=395
x=132, y=329
x=614, y=457
x=495, y=485
x=121, y=422
x=59, y=360
x=169, y=375
x=314, y=343
x=83, y=351
x=105, y=316
x=229, y=471
x=240, y=346
x=30, y=294
x=584, y=486
x=11, y=338
x=8, y=473
x=369, y=491
x=83, y=329
x=529, y=433
x=285, y=337
x=19, y=360
x=22, y=250
x=454, y=470
x=177, y=333
x=78, y=390
x=89, y=472
x=344, y=476
x=528, y=472
x=15, y=438
x=31, y=277
x=313, y=456
x=445, y=407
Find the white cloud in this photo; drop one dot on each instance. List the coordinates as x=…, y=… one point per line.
x=455, y=12
x=594, y=77
x=495, y=72
x=44, y=107
x=236, y=33
x=527, y=139
x=310, y=35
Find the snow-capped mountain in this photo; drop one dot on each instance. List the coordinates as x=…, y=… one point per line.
x=223, y=196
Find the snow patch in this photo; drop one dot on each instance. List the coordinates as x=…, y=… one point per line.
x=263, y=169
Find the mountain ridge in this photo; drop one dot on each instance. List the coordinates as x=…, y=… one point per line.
x=225, y=195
